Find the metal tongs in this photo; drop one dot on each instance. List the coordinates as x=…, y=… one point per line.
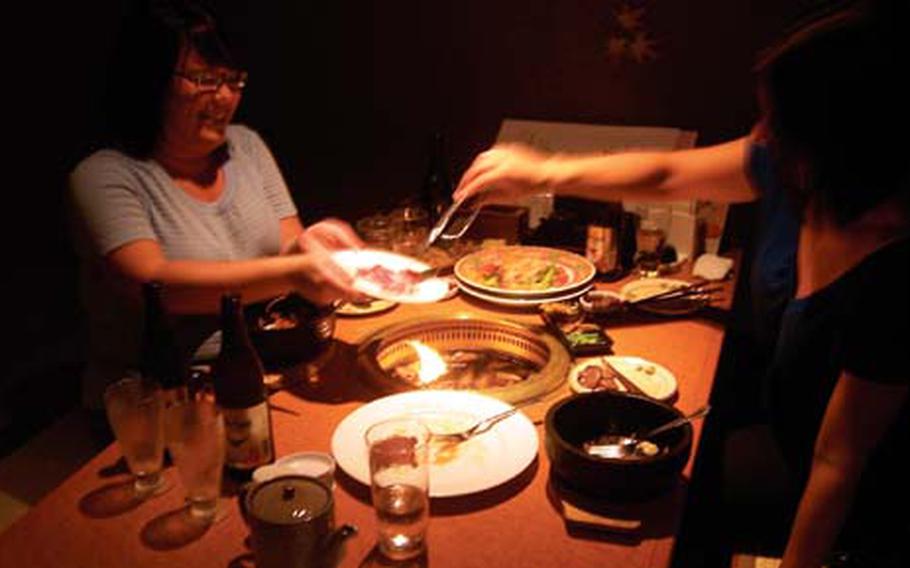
x=438, y=230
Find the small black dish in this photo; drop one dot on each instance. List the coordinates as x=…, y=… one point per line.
x=289, y=330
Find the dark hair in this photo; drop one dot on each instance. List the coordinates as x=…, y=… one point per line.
x=833, y=102
x=153, y=34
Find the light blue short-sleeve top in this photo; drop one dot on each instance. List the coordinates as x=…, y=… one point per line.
x=118, y=199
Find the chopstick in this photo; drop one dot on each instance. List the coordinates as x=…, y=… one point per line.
x=626, y=381
x=696, y=289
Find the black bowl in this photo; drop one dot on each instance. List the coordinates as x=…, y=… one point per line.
x=289, y=330
x=585, y=417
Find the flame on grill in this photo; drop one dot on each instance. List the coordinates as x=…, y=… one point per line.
x=431, y=364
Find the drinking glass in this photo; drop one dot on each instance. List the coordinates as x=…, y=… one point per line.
x=649, y=241
x=410, y=226
x=135, y=412
x=399, y=481
x=195, y=438
x=376, y=231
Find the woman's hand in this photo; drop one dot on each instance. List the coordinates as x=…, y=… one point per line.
x=318, y=278
x=504, y=173
x=331, y=234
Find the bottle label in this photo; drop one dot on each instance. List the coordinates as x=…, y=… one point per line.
x=601, y=248
x=249, y=436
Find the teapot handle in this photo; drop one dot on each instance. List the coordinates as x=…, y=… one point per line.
x=332, y=542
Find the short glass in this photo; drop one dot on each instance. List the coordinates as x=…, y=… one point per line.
x=410, y=227
x=196, y=441
x=399, y=480
x=376, y=231
x=649, y=242
x=135, y=411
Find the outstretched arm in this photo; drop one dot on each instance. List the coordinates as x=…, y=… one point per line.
x=195, y=286
x=714, y=173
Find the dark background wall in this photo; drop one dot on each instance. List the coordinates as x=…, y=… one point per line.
x=347, y=94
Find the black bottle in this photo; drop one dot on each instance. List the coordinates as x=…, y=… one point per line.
x=161, y=360
x=241, y=393
x=436, y=191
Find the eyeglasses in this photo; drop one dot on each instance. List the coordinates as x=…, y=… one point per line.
x=211, y=82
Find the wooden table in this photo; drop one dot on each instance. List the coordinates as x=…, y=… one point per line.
x=514, y=525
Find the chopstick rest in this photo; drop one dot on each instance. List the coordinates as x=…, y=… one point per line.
x=595, y=521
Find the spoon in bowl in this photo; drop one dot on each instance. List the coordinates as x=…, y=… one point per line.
x=637, y=444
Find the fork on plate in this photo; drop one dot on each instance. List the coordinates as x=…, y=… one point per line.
x=483, y=425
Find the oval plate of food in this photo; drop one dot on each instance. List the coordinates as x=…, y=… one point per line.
x=389, y=276
x=522, y=271
x=599, y=373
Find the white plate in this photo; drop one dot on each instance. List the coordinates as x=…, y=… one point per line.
x=374, y=306
x=522, y=302
x=430, y=290
x=516, y=263
x=480, y=463
x=653, y=379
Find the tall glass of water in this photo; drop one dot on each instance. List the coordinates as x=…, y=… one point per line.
x=135, y=412
x=195, y=438
x=399, y=479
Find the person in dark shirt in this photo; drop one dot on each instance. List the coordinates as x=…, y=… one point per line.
x=832, y=263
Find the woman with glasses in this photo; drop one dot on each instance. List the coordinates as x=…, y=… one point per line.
x=184, y=197
x=833, y=264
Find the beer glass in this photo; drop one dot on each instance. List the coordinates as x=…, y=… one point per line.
x=399, y=480
x=195, y=439
x=135, y=412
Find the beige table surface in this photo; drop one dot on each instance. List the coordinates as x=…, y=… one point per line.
x=514, y=525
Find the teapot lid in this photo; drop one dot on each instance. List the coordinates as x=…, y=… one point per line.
x=288, y=500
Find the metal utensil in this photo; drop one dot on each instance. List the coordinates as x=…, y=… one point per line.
x=483, y=425
x=438, y=229
x=434, y=272
x=695, y=290
x=623, y=446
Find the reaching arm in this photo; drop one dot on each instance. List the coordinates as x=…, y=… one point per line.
x=195, y=286
x=848, y=435
x=714, y=173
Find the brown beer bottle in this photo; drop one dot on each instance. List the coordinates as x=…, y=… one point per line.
x=241, y=393
x=436, y=191
x=161, y=361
